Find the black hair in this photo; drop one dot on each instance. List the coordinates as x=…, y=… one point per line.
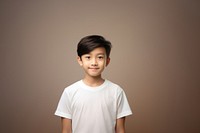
x=89, y=43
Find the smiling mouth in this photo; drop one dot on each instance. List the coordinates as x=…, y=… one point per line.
x=93, y=68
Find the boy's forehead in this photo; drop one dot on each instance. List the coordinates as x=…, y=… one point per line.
x=99, y=50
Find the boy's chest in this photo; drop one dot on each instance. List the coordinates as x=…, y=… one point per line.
x=93, y=101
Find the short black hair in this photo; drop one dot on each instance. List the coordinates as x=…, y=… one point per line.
x=89, y=43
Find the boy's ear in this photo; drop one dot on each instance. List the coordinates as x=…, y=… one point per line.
x=79, y=61
x=107, y=61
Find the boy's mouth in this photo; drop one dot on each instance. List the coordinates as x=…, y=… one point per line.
x=93, y=68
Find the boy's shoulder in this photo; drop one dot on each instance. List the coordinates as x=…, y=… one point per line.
x=72, y=86
x=114, y=86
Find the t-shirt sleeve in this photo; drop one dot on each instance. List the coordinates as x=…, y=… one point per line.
x=64, y=106
x=123, y=108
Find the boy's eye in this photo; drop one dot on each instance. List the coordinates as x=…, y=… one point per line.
x=87, y=57
x=100, y=57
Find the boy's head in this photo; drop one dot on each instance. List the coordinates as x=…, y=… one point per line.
x=89, y=43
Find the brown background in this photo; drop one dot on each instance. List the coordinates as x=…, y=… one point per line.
x=155, y=59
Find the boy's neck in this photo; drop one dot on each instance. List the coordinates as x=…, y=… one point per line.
x=93, y=81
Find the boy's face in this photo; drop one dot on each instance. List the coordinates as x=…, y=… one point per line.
x=94, y=62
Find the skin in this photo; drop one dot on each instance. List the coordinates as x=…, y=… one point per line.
x=66, y=125
x=93, y=65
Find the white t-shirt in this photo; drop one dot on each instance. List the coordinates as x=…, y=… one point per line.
x=93, y=109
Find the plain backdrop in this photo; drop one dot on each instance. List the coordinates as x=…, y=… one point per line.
x=155, y=59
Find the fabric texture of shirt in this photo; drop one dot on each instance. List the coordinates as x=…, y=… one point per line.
x=93, y=109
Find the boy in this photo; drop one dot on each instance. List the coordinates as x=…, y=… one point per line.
x=93, y=104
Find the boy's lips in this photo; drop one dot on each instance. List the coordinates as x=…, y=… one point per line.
x=94, y=68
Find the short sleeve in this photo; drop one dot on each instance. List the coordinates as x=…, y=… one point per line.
x=64, y=106
x=123, y=108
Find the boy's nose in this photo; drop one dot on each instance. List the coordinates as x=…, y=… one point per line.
x=94, y=62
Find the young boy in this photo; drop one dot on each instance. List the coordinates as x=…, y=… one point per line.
x=93, y=104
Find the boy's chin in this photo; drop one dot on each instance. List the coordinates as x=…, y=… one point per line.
x=95, y=75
